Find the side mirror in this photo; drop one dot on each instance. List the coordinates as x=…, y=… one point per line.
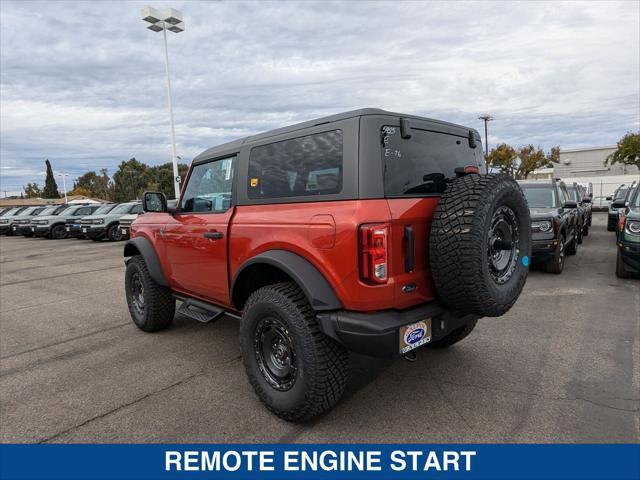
x=570, y=204
x=586, y=199
x=609, y=198
x=154, y=202
x=620, y=203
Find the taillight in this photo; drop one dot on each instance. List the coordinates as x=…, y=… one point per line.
x=373, y=253
x=621, y=220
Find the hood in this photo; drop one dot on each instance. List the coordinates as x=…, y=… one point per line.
x=543, y=212
x=49, y=217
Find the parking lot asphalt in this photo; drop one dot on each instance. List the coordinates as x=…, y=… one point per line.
x=562, y=366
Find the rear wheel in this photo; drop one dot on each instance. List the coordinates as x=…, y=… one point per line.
x=454, y=337
x=621, y=269
x=480, y=244
x=152, y=307
x=580, y=230
x=556, y=264
x=296, y=370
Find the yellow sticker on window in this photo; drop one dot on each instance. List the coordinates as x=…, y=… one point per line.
x=254, y=182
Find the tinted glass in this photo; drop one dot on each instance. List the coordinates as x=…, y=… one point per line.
x=29, y=211
x=421, y=164
x=209, y=187
x=137, y=208
x=573, y=194
x=59, y=210
x=122, y=208
x=105, y=209
x=304, y=166
x=540, y=197
x=48, y=211
x=620, y=193
x=636, y=201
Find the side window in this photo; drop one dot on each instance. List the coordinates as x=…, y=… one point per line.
x=137, y=209
x=209, y=187
x=304, y=166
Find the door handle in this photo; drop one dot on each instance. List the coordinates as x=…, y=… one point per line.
x=213, y=235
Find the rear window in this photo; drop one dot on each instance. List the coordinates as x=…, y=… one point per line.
x=304, y=166
x=422, y=163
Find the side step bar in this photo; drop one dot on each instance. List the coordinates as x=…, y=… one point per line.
x=201, y=311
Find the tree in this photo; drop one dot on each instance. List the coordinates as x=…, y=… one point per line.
x=628, y=151
x=50, y=186
x=98, y=185
x=80, y=191
x=532, y=159
x=32, y=190
x=504, y=158
x=130, y=180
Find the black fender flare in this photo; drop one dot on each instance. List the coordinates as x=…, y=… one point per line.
x=142, y=246
x=315, y=286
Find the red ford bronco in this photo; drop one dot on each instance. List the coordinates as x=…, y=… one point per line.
x=367, y=231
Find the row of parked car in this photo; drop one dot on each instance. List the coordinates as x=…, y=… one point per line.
x=624, y=220
x=110, y=221
x=561, y=216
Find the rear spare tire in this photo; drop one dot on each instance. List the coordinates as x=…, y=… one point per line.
x=480, y=244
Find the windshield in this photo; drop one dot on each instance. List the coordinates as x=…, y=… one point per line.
x=29, y=211
x=636, y=201
x=423, y=163
x=105, y=209
x=620, y=193
x=60, y=209
x=123, y=208
x=540, y=197
x=573, y=193
x=48, y=210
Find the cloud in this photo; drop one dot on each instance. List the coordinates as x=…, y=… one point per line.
x=82, y=83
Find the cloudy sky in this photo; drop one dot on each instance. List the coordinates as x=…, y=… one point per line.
x=82, y=83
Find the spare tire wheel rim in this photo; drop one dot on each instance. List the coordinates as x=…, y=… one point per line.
x=503, y=245
x=275, y=353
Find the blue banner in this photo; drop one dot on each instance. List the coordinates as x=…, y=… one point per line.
x=321, y=461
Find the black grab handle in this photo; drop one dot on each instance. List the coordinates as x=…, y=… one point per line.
x=213, y=235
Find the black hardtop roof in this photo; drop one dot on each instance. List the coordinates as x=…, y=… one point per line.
x=236, y=144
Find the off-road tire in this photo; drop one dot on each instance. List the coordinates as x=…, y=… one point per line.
x=621, y=270
x=113, y=233
x=58, y=232
x=585, y=229
x=321, y=362
x=454, y=337
x=556, y=264
x=458, y=244
x=159, y=304
x=572, y=248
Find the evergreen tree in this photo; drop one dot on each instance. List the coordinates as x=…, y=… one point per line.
x=50, y=186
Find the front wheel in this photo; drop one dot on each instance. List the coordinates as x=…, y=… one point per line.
x=621, y=269
x=585, y=230
x=572, y=248
x=114, y=234
x=152, y=307
x=296, y=370
x=556, y=264
x=58, y=232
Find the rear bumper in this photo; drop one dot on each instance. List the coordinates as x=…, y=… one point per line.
x=630, y=253
x=377, y=333
x=543, y=249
